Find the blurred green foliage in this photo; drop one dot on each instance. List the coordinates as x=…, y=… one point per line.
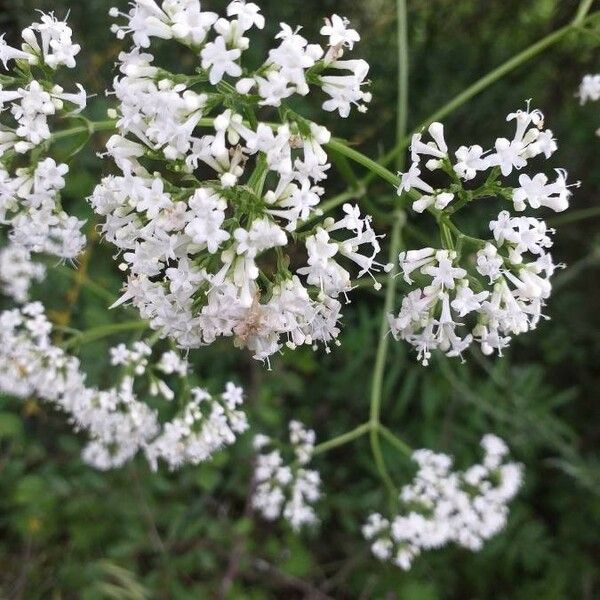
x=67, y=531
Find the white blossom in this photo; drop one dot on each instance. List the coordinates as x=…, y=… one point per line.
x=18, y=271
x=118, y=423
x=29, y=188
x=442, y=506
x=453, y=306
x=589, y=89
x=284, y=490
x=212, y=257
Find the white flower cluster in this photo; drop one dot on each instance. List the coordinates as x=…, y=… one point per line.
x=207, y=257
x=443, y=506
x=289, y=69
x=589, y=88
x=529, y=141
x=118, y=423
x=18, y=272
x=205, y=425
x=29, y=193
x=500, y=289
x=589, y=91
x=286, y=490
x=47, y=43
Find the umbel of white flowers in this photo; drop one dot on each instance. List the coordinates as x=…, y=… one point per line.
x=18, y=272
x=286, y=490
x=589, y=91
x=443, y=506
x=117, y=422
x=223, y=235
x=29, y=195
x=589, y=88
x=497, y=288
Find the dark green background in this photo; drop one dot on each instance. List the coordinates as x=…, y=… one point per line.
x=67, y=531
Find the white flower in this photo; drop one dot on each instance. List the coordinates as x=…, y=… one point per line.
x=338, y=32
x=454, y=307
x=9, y=53
x=209, y=213
x=29, y=200
x=55, y=46
x=346, y=90
x=469, y=162
x=508, y=155
x=247, y=13
x=220, y=61
x=436, y=148
x=215, y=251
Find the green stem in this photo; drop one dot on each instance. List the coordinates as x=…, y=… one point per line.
x=90, y=127
x=402, y=109
x=380, y=462
x=380, y=358
x=341, y=440
x=86, y=282
x=395, y=243
x=582, y=11
x=102, y=331
x=365, y=161
x=395, y=441
x=574, y=216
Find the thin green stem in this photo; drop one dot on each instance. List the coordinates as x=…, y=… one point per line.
x=383, y=337
x=576, y=215
x=395, y=244
x=365, y=161
x=341, y=440
x=395, y=441
x=402, y=109
x=380, y=462
x=102, y=331
x=380, y=358
x=90, y=127
x=582, y=11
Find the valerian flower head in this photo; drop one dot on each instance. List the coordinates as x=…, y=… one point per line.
x=441, y=506
x=30, y=185
x=286, y=490
x=18, y=271
x=209, y=255
x=499, y=287
x=118, y=423
x=589, y=88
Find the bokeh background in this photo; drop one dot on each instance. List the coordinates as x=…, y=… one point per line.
x=67, y=531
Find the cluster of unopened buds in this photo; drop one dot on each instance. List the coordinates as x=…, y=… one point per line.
x=283, y=489
x=474, y=289
x=441, y=505
x=207, y=239
x=118, y=423
x=30, y=181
